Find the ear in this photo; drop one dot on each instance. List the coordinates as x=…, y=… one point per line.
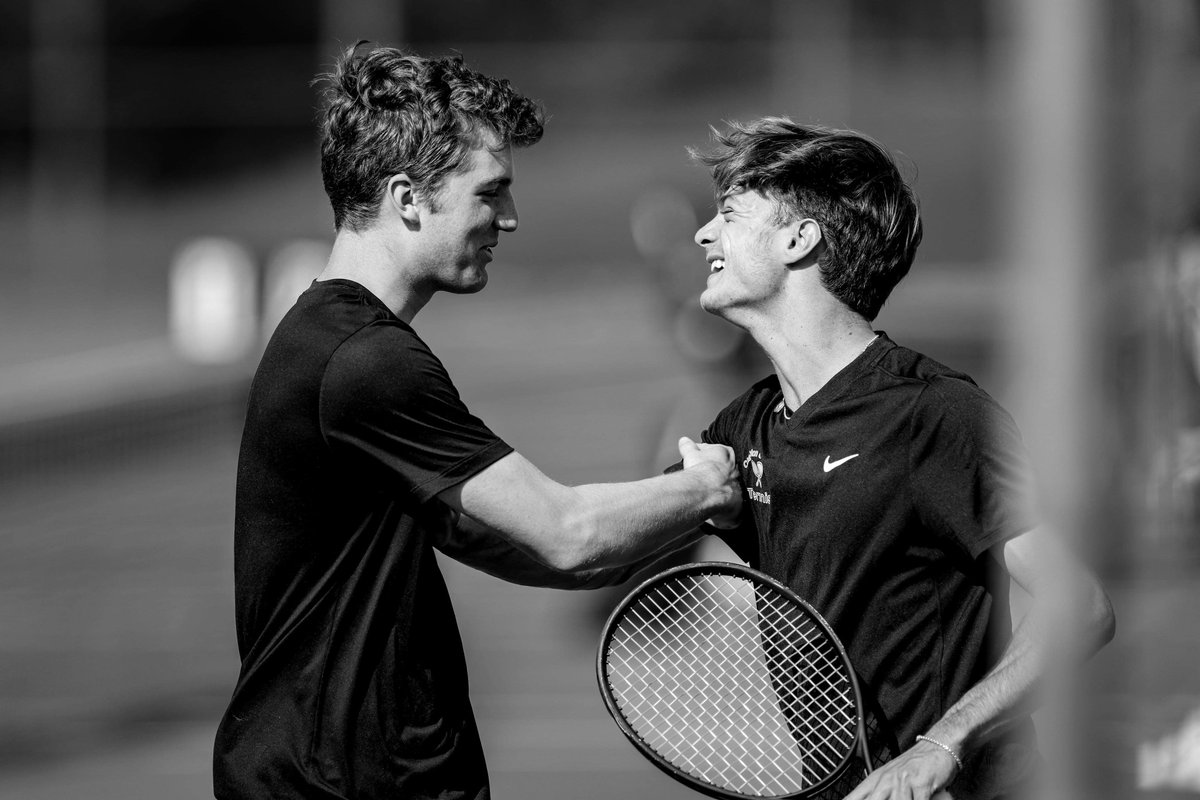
x=402, y=198
x=800, y=240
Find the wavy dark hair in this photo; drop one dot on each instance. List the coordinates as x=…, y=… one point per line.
x=869, y=216
x=387, y=112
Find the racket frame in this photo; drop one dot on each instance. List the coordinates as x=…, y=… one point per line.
x=753, y=576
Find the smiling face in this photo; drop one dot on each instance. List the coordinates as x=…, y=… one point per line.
x=461, y=223
x=742, y=246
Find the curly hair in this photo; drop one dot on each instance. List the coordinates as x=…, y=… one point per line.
x=388, y=112
x=849, y=184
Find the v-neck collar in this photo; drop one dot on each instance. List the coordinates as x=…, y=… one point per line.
x=836, y=385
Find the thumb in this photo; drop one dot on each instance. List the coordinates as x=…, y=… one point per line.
x=687, y=447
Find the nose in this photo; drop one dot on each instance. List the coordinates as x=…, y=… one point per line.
x=506, y=215
x=706, y=235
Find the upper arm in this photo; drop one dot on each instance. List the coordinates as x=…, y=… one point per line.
x=1033, y=559
x=390, y=413
x=970, y=475
x=1056, y=580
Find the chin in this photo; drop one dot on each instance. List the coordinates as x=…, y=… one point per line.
x=470, y=285
x=722, y=308
x=711, y=303
x=463, y=278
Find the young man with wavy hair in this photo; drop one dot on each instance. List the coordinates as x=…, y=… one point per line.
x=358, y=458
x=887, y=489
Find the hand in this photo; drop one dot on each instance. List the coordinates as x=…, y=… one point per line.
x=721, y=461
x=920, y=773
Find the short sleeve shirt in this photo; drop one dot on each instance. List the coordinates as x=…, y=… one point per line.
x=353, y=682
x=877, y=501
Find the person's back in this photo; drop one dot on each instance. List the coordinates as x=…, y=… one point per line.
x=353, y=677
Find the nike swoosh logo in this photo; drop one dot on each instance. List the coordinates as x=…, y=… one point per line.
x=830, y=466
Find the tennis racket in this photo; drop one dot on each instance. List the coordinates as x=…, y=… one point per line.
x=730, y=683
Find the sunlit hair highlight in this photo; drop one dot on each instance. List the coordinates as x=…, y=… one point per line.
x=849, y=184
x=388, y=112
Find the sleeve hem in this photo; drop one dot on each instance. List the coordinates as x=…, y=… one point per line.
x=981, y=546
x=461, y=470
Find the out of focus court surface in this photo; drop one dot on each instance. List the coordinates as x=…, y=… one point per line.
x=125, y=135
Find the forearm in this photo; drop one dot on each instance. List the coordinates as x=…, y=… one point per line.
x=627, y=523
x=956, y=751
x=1003, y=696
x=476, y=545
x=1066, y=624
x=1069, y=618
x=598, y=525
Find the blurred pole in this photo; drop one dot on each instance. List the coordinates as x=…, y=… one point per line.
x=344, y=22
x=1053, y=231
x=1053, y=244
x=67, y=171
x=1171, y=72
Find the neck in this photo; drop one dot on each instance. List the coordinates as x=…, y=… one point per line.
x=377, y=264
x=808, y=353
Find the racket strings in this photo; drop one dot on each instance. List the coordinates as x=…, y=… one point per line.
x=825, y=700
x=732, y=685
x=696, y=677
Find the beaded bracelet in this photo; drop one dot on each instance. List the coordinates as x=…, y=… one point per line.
x=945, y=747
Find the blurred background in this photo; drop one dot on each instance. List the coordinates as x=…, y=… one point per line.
x=161, y=205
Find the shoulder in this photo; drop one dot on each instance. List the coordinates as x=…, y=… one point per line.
x=382, y=343
x=762, y=392
x=906, y=365
x=384, y=356
x=939, y=395
x=335, y=330
x=745, y=408
x=337, y=317
x=375, y=361
x=934, y=384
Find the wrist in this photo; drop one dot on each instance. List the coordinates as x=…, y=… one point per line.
x=724, y=498
x=710, y=480
x=946, y=748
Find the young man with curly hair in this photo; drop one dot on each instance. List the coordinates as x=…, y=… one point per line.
x=358, y=458
x=887, y=489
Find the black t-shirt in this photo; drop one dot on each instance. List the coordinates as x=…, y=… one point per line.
x=877, y=502
x=353, y=681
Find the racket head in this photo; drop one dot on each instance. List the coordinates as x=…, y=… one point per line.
x=684, y=650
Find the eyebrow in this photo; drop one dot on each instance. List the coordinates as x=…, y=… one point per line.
x=732, y=191
x=498, y=182
x=727, y=197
